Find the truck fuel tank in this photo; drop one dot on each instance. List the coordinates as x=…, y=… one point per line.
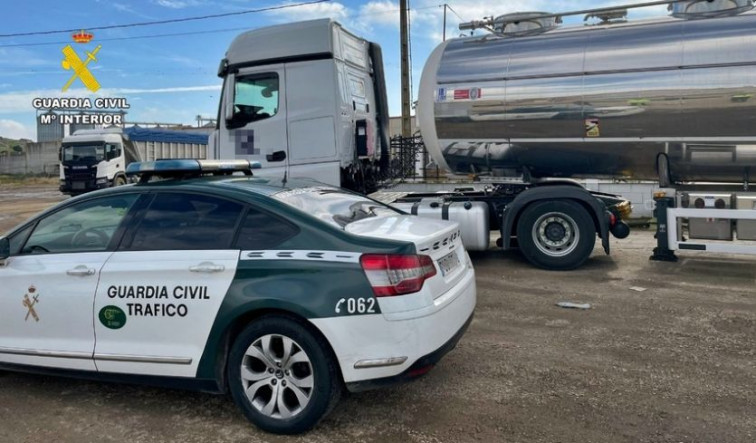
x=471, y=216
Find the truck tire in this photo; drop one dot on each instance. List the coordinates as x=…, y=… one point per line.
x=119, y=181
x=282, y=376
x=556, y=235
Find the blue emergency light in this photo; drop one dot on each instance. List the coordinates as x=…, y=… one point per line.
x=174, y=168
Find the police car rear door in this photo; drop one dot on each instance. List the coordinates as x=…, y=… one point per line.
x=159, y=293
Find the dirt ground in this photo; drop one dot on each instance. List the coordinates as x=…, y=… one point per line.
x=673, y=363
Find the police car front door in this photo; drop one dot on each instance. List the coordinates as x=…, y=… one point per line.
x=159, y=293
x=48, y=283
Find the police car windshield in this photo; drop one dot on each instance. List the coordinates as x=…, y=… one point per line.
x=334, y=206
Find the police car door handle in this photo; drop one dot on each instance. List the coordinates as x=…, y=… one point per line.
x=207, y=267
x=81, y=271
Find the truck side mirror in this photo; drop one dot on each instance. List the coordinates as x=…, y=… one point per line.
x=228, y=96
x=4, y=248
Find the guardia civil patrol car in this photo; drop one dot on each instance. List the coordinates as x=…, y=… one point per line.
x=282, y=293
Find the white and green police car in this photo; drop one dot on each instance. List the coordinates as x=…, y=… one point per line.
x=282, y=293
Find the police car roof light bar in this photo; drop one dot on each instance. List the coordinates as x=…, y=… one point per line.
x=186, y=168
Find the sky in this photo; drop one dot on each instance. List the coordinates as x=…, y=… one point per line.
x=173, y=78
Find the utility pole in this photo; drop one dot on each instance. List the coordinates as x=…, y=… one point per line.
x=404, y=46
x=445, y=6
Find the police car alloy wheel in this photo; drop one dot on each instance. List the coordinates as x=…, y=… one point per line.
x=283, y=376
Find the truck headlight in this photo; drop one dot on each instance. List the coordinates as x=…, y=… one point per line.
x=102, y=180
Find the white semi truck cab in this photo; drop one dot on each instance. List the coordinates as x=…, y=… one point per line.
x=94, y=159
x=304, y=99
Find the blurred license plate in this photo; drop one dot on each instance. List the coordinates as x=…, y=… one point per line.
x=448, y=263
x=77, y=185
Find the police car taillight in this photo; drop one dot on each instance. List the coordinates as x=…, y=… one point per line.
x=391, y=274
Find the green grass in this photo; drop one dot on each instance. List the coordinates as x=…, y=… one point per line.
x=20, y=180
x=7, y=144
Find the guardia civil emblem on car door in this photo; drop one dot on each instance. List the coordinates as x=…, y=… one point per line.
x=31, y=298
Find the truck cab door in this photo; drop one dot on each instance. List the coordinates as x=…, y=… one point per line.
x=256, y=119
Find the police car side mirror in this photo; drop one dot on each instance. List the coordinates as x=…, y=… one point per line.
x=4, y=248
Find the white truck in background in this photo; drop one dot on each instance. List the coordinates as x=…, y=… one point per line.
x=94, y=159
x=97, y=158
x=526, y=108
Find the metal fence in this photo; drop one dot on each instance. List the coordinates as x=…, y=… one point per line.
x=407, y=157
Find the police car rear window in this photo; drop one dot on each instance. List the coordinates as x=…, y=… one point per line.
x=332, y=205
x=185, y=222
x=263, y=231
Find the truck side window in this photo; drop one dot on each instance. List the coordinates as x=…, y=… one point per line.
x=255, y=98
x=112, y=151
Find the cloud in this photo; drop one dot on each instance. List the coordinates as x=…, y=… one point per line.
x=181, y=60
x=334, y=10
x=16, y=130
x=382, y=12
x=21, y=101
x=121, y=7
x=24, y=58
x=174, y=4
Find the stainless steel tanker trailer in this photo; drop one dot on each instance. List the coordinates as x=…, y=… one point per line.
x=668, y=99
x=526, y=109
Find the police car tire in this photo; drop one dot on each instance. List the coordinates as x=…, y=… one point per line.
x=327, y=387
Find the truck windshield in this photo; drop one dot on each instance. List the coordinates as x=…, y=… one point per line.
x=77, y=153
x=335, y=206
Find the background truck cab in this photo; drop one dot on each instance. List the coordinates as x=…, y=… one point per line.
x=94, y=159
x=306, y=99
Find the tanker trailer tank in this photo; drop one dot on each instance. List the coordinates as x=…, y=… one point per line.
x=609, y=100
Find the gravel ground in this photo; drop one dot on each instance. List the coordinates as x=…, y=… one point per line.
x=673, y=363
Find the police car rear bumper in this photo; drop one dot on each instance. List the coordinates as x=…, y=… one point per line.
x=418, y=369
x=410, y=345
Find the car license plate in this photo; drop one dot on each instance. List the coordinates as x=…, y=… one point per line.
x=448, y=263
x=77, y=185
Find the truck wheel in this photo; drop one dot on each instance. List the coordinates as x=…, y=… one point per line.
x=556, y=235
x=282, y=376
x=119, y=181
